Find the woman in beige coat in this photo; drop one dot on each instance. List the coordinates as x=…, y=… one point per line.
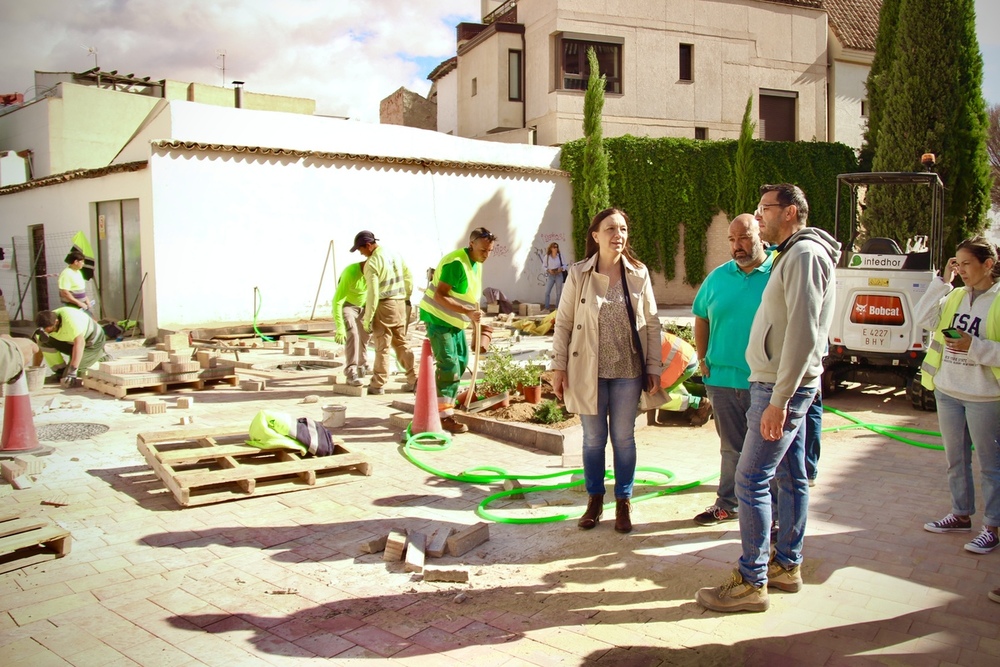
x=607, y=351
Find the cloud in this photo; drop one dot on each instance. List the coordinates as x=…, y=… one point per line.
x=345, y=54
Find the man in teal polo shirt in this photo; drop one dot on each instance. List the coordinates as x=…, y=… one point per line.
x=724, y=309
x=450, y=304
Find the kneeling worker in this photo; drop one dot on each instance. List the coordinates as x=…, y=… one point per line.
x=70, y=332
x=680, y=361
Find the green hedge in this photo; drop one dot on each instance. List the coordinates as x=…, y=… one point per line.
x=663, y=183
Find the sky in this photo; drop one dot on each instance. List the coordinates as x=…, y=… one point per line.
x=346, y=54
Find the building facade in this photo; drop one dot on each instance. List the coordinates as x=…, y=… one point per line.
x=674, y=68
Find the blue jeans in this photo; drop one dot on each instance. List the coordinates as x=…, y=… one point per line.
x=760, y=461
x=730, y=407
x=617, y=405
x=814, y=427
x=553, y=280
x=965, y=424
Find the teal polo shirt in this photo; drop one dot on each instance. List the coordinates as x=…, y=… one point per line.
x=728, y=299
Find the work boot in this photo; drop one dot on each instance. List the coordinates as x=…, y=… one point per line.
x=352, y=376
x=700, y=415
x=734, y=595
x=595, y=509
x=783, y=578
x=451, y=425
x=623, y=523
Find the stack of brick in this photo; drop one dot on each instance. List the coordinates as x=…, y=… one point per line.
x=4, y=317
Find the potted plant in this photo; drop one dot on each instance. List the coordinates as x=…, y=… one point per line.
x=532, y=380
x=501, y=373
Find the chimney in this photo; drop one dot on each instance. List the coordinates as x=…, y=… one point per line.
x=239, y=93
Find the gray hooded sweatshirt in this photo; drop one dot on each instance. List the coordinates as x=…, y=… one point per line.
x=789, y=332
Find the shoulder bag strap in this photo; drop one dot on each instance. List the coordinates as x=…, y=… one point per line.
x=631, y=317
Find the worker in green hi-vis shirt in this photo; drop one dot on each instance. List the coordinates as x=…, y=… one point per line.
x=348, y=310
x=71, y=332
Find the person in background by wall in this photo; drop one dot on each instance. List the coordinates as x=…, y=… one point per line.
x=450, y=304
x=607, y=351
x=555, y=273
x=390, y=285
x=962, y=366
x=348, y=311
x=72, y=285
x=724, y=308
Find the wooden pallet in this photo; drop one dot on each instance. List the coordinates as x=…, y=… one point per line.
x=190, y=381
x=212, y=466
x=24, y=542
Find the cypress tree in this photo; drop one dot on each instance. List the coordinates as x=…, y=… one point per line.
x=932, y=102
x=746, y=190
x=595, y=159
x=885, y=53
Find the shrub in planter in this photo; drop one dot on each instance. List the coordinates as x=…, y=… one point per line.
x=549, y=412
x=500, y=372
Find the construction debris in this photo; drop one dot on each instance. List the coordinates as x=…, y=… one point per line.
x=395, y=545
x=438, y=542
x=415, y=552
x=453, y=575
x=468, y=539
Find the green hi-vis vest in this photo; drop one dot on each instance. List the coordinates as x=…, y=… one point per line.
x=932, y=360
x=473, y=274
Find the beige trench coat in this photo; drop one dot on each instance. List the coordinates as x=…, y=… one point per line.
x=576, y=333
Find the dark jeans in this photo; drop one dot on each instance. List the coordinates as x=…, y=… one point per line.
x=814, y=427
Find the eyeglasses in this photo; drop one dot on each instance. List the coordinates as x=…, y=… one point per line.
x=763, y=207
x=489, y=236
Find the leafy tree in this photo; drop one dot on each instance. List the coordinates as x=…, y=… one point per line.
x=885, y=51
x=932, y=101
x=746, y=188
x=595, y=160
x=993, y=150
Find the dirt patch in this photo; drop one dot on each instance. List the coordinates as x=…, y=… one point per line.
x=520, y=411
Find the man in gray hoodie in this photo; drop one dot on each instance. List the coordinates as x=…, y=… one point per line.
x=785, y=355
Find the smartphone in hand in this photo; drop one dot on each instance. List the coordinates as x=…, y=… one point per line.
x=951, y=332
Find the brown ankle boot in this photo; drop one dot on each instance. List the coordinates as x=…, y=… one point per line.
x=623, y=524
x=595, y=508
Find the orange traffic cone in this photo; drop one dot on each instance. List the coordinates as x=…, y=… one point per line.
x=425, y=409
x=19, y=436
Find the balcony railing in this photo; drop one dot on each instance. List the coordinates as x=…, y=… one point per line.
x=505, y=13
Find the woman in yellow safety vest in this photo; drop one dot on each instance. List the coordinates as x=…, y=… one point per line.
x=72, y=284
x=607, y=351
x=962, y=366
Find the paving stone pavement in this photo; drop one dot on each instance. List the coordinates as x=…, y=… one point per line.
x=281, y=579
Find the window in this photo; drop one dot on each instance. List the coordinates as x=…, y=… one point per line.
x=514, y=78
x=701, y=133
x=574, y=70
x=864, y=108
x=686, y=61
x=777, y=115
x=475, y=86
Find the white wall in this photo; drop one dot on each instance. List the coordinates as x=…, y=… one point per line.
x=849, y=90
x=447, y=103
x=226, y=223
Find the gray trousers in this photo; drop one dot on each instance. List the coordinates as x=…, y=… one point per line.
x=356, y=345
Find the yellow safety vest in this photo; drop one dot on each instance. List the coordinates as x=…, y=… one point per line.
x=474, y=276
x=932, y=360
